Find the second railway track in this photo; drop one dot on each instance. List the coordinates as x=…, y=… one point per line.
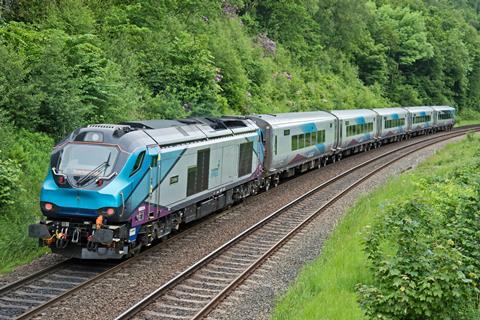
x=194, y=293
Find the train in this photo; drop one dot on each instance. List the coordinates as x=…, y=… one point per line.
x=113, y=189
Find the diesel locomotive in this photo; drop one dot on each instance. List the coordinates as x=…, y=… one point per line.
x=112, y=189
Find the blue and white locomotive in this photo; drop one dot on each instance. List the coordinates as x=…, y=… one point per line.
x=112, y=189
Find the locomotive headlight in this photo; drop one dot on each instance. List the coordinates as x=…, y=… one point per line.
x=48, y=206
x=107, y=212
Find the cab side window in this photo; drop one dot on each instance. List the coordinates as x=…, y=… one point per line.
x=138, y=163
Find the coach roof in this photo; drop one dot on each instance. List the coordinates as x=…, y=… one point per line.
x=294, y=117
x=353, y=113
x=419, y=109
x=443, y=108
x=389, y=111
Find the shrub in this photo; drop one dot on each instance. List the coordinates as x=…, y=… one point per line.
x=424, y=251
x=9, y=182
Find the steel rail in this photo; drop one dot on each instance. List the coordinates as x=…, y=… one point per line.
x=32, y=277
x=57, y=279
x=140, y=305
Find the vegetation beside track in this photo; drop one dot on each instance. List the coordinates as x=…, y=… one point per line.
x=408, y=250
x=20, y=181
x=467, y=117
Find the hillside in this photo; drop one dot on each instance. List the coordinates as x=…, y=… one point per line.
x=71, y=62
x=67, y=63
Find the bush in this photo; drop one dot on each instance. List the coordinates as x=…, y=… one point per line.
x=24, y=161
x=9, y=182
x=424, y=251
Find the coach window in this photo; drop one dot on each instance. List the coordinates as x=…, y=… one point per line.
x=320, y=136
x=138, y=163
x=314, y=138
x=294, y=142
x=445, y=115
x=301, y=141
x=308, y=139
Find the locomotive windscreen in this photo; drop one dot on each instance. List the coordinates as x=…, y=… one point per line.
x=81, y=159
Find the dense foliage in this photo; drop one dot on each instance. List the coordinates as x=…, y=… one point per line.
x=9, y=181
x=23, y=163
x=70, y=62
x=424, y=251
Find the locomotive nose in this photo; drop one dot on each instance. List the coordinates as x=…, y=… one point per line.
x=74, y=203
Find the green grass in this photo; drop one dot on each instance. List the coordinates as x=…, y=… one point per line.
x=325, y=288
x=468, y=117
x=462, y=122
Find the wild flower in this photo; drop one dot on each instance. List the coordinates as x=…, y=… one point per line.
x=268, y=44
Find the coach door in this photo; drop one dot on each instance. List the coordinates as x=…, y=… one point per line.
x=154, y=181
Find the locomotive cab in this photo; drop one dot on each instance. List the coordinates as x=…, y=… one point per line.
x=84, y=195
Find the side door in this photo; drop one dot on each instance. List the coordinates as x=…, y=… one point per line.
x=379, y=126
x=153, y=199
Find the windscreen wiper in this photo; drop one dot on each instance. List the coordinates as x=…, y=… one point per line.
x=95, y=172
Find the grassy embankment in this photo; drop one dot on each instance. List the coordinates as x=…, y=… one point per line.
x=468, y=117
x=325, y=289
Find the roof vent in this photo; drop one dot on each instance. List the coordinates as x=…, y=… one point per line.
x=102, y=126
x=118, y=129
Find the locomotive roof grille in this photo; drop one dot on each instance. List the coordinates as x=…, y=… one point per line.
x=216, y=124
x=103, y=126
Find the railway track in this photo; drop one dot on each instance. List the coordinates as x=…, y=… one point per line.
x=195, y=292
x=29, y=296
x=46, y=285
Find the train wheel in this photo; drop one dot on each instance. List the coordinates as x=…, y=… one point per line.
x=267, y=184
x=134, y=249
x=276, y=181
